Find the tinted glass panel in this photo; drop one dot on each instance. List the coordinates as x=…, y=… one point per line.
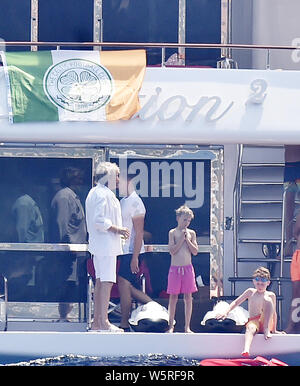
x=15, y=22
x=164, y=185
x=141, y=21
x=66, y=21
x=203, y=25
x=44, y=276
x=42, y=199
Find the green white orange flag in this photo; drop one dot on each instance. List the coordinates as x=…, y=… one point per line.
x=66, y=85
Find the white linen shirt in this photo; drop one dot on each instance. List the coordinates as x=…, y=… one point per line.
x=102, y=211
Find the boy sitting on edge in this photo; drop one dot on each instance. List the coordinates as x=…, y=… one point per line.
x=262, y=308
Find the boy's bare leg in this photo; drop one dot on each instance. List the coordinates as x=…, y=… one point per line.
x=268, y=315
x=188, y=307
x=249, y=334
x=172, y=308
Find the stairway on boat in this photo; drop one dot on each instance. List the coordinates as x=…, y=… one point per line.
x=258, y=223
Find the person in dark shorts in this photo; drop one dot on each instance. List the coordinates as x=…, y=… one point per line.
x=292, y=230
x=133, y=215
x=291, y=187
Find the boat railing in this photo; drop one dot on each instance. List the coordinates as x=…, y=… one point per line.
x=227, y=48
x=236, y=215
x=152, y=45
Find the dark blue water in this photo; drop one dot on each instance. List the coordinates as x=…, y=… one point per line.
x=80, y=360
x=137, y=360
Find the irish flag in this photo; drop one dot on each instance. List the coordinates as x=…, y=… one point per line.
x=66, y=85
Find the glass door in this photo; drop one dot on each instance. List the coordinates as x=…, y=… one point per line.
x=43, y=238
x=166, y=178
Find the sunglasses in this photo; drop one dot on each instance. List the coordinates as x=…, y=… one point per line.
x=262, y=279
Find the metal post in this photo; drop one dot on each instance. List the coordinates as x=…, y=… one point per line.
x=226, y=54
x=236, y=215
x=4, y=303
x=282, y=232
x=163, y=56
x=268, y=60
x=98, y=24
x=235, y=267
x=282, y=244
x=229, y=28
x=34, y=23
x=181, y=30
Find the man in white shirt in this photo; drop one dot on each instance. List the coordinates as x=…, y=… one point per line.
x=133, y=215
x=104, y=225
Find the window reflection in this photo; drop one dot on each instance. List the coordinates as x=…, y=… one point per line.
x=67, y=219
x=42, y=199
x=158, y=20
x=141, y=21
x=28, y=220
x=164, y=185
x=44, y=277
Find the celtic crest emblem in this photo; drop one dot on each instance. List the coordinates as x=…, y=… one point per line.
x=78, y=85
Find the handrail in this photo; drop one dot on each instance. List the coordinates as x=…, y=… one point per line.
x=283, y=226
x=152, y=45
x=236, y=214
x=282, y=245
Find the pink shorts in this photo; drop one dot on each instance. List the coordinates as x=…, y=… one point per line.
x=181, y=280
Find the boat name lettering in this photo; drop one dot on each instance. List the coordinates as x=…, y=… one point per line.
x=174, y=106
x=258, y=88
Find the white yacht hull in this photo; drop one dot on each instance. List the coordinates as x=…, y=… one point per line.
x=37, y=344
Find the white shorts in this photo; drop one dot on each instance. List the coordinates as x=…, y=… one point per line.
x=105, y=267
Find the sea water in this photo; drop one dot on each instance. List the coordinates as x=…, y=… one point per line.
x=137, y=360
x=81, y=360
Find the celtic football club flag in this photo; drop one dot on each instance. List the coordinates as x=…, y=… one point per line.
x=66, y=85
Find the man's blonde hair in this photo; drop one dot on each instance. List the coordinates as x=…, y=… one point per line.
x=262, y=272
x=184, y=210
x=106, y=169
